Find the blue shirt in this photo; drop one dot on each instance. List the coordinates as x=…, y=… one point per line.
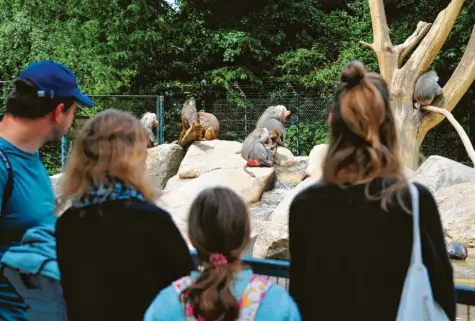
x=31, y=204
x=277, y=305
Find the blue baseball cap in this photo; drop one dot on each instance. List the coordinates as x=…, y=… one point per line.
x=54, y=80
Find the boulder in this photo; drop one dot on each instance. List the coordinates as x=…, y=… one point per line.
x=457, y=211
x=272, y=240
x=284, y=157
x=290, y=176
x=281, y=213
x=205, y=156
x=438, y=172
x=163, y=162
x=315, y=161
x=55, y=181
x=178, y=199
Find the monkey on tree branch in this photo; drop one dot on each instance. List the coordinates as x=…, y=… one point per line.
x=402, y=72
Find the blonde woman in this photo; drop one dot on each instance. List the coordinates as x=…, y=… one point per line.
x=116, y=249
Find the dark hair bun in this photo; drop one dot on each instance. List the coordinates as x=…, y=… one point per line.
x=353, y=73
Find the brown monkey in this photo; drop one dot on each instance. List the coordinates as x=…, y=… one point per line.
x=256, y=150
x=274, y=118
x=149, y=121
x=427, y=89
x=193, y=134
x=210, y=125
x=274, y=140
x=192, y=129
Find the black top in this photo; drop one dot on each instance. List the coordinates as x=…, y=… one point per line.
x=115, y=257
x=349, y=257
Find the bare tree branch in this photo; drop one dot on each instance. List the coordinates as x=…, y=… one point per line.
x=456, y=87
x=367, y=45
x=405, y=48
x=381, y=45
x=463, y=135
x=430, y=46
x=380, y=24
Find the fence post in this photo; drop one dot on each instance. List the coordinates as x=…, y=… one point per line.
x=161, y=119
x=298, y=126
x=64, y=150
x=245, y=118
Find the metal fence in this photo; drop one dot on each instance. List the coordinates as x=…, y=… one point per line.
x=307, y=126
x=278, y=272
x=134, y=104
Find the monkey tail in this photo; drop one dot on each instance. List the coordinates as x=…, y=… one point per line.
x=248, y=171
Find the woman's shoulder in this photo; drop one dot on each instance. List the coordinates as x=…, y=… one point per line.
x=166, y=306
x=277, y=304
x=118, y=208
x=314, y=189
x=424, y=191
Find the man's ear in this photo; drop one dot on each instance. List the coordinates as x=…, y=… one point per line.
x=58, y=110
x=330, y=118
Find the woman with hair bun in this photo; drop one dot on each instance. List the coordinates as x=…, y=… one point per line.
x=219, y=229
x=361, y=211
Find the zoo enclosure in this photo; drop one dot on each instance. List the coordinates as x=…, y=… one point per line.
x=306, y=127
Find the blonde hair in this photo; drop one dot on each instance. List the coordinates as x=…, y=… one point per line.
x=113, y=144
x=363, y=140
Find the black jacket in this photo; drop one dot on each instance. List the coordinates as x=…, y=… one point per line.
x=349, y=257
x=115, y=257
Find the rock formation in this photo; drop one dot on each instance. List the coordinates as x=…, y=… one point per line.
x=215, y=162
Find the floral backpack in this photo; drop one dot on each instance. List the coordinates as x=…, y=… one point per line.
x=248, y=303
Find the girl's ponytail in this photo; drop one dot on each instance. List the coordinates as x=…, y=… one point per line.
x=211, y=296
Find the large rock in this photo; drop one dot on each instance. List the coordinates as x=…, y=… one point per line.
x=315, y=161
x=205, y=156
x=284, y=157
x=281, y=213
x=457, y=210
x=272, y=240
x=438, y=172
x=178, y=199
x=290, y=176
x=163, y=162
x=55, y=181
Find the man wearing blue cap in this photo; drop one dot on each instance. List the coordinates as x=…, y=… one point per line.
x=40, y=108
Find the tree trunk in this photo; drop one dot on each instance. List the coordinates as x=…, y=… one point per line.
x=407, y=126
x=412, y=124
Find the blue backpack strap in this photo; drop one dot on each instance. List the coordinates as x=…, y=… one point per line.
x=8, y=189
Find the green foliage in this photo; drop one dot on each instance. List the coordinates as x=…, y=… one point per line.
x=301, y=138
x=139, y=46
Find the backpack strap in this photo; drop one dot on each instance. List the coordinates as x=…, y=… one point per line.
x=8, y=189
x=252, y=297
x=179, y=285
x=248, y=304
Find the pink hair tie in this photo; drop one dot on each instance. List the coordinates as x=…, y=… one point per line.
x=217, y=259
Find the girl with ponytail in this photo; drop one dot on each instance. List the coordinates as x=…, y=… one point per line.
x=361, y=211
x=219, y=229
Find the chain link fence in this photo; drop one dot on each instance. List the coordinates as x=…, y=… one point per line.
x=307, y=125
x=137, y=105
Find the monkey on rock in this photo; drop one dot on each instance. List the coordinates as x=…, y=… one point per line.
x=273, y=118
